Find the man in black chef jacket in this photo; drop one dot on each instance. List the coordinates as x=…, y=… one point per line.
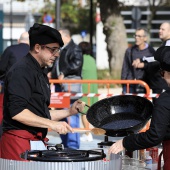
x=27, y=97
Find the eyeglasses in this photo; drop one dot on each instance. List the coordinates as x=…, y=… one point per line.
x=162, y=72
x=52, y=50
x=138, y=36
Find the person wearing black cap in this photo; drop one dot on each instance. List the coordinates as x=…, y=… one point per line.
x=159, y=130
x=27, y=97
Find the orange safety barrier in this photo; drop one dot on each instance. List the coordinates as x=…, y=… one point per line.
x=106, y=82
x=62, y=100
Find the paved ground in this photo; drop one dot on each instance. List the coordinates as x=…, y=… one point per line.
x=54, y=138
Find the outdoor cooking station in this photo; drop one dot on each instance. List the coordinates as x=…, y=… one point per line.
x=32, y=165
x=59, y=159
x=107, y=114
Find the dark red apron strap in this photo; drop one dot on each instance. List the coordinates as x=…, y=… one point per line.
x=159, y=160
x=27, y=135
x=39, y=136
x=22, y=134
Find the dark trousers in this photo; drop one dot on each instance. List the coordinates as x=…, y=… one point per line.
x=131, y=88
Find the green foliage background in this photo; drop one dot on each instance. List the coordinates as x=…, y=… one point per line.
x=73, y=16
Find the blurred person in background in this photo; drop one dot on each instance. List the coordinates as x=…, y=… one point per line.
x=151, y=66
x=137, y=51
x=14, y=53
x=89, y=72
x=69, y=66
x=11, y=55
x=164, y=31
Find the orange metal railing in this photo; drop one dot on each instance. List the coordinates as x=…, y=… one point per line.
x=108, y=83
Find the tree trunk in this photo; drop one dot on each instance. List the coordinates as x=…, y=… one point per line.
x=116, y=40
x=115, y=32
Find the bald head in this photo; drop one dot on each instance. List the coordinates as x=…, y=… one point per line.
x=24, y=38
x=65, y=34
x=164, y=31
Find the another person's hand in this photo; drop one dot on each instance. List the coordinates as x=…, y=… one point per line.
x=61, y=77
x=61, y=127
x=137, y=63
x=49, y=75
x=116, y=147
x=77, y=106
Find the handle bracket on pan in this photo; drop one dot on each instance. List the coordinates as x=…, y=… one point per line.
x=83, y=112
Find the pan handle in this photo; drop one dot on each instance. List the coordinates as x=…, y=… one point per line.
x=82, y=112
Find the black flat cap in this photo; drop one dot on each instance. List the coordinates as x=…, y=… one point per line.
x=162, y=55
x=43, y=34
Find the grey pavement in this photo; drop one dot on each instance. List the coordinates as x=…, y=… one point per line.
x=54, y=139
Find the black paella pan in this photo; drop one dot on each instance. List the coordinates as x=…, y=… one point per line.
x=120, y=115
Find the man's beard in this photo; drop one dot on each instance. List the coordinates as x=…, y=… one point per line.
x=50, y=66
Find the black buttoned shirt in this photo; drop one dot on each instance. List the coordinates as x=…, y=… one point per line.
x=26, y=87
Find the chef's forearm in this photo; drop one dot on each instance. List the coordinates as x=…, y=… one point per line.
x=59, y=114
x=28, y=118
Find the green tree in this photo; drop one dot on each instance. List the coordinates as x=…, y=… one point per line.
x=73, y=16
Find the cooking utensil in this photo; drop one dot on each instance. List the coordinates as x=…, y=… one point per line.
x=83, y=112
x=65, y=155
x=120, y=115
x=95, y=131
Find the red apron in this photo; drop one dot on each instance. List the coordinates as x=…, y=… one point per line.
x=166, y=156
x=15, y=142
